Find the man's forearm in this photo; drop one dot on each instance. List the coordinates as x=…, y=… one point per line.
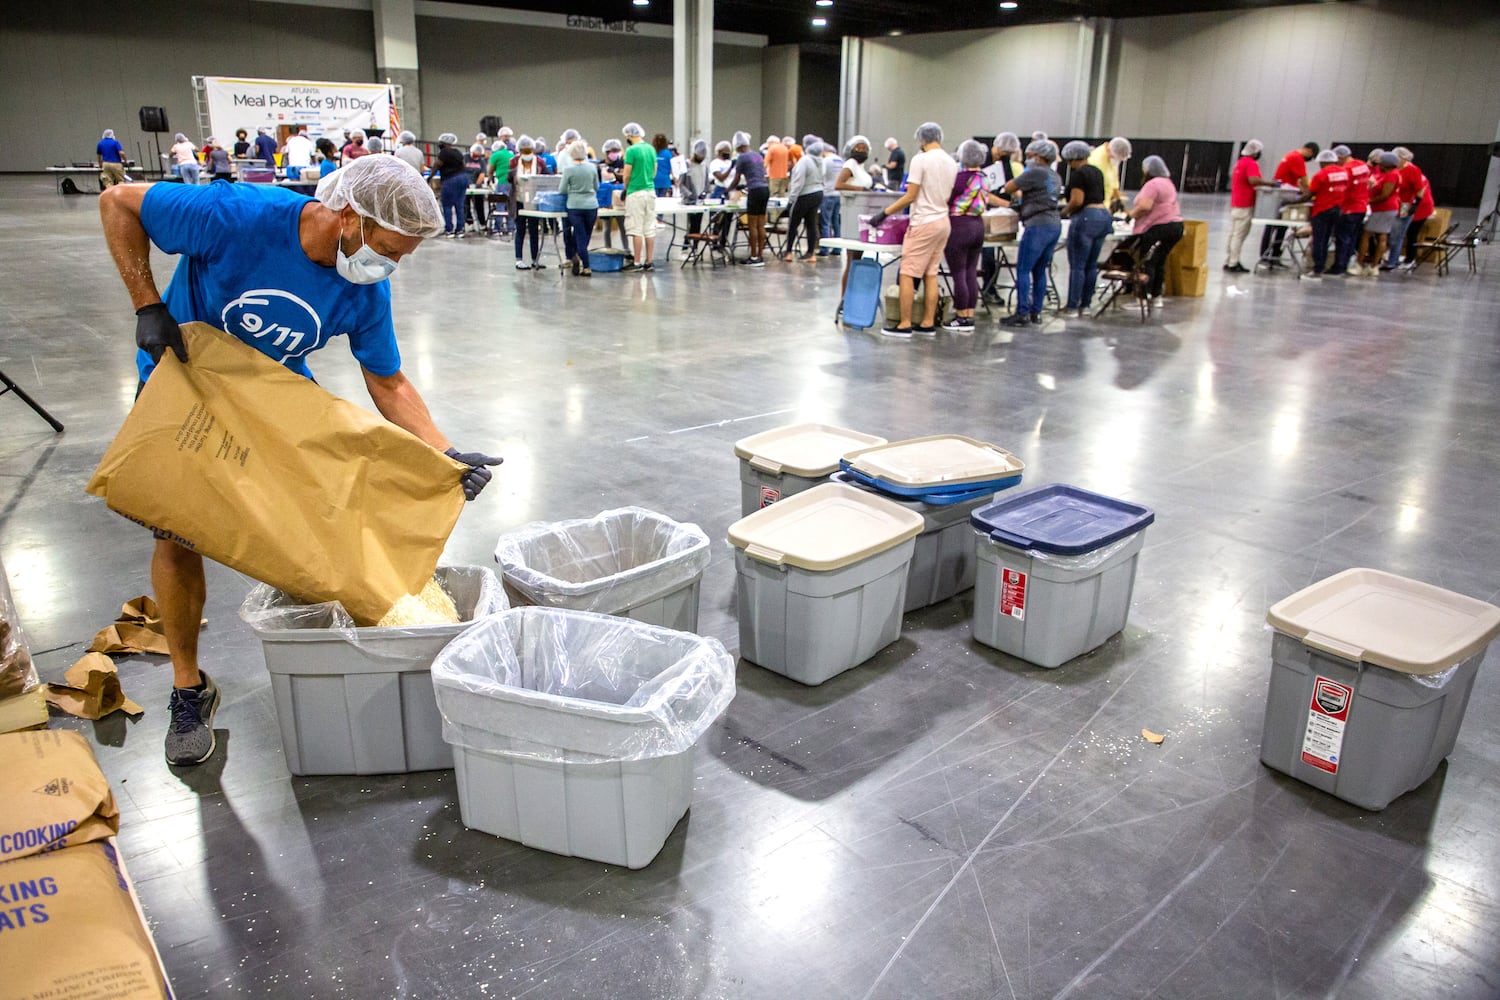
x=128, y=243
x=400, y=403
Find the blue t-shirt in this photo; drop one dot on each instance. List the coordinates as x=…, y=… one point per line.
x=327, y=167
x=663, y=168
x=265, y=148
x=243, y=270
x=110, y=151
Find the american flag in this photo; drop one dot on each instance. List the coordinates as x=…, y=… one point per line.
x=395, y=129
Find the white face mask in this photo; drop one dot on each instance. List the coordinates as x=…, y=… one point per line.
x=527, y=157
x=365, y=267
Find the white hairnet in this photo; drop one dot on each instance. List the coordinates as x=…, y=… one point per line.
x=1039, y=136
x=1328, y=156
x=1404, y=153
x=1155, y=166
x=448, y=138
x=387, y=190
x=109, y=133
x=1076, y=150
x=480, y=137
x=813, y=149
x=1119, y=147
x=1042, y=149
x=1342, y=150
x=808, y=140
x=741, y=139
x=1375, y=153
x=358, y=133
x=723, y=147
x=971, y=154
x=700, y=147
x=1389, y=160
x=571, y=135
x=578, y=150
x=929, y=132
x=772, y=138
x=407, y=138
x=526, y=142
x=541, y=145
x=855, y=141
x=374, y=145
x=477, y=148
x=210, y=141
x=633, y=130
x=891, y=143
x=504, y=133
x=1252, y=147
x=1008, y=142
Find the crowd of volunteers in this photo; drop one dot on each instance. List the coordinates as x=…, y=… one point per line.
x=1368, y=210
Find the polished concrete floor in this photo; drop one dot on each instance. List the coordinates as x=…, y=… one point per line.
x=944, y=821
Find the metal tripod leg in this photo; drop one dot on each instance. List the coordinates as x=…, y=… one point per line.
x=41, y=411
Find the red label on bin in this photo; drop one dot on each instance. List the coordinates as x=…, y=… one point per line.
x=1327, y=715
x=1013, y=594
x=768, y=496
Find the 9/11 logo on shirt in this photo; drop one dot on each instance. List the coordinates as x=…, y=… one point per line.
x=276, y=322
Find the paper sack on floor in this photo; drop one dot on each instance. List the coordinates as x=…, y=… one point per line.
x=259, y=468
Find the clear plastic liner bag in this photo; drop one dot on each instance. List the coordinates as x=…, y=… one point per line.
x=475, y=590
x=1088, y=561
x=608, y=563
x=573, y=687
x=17, y=672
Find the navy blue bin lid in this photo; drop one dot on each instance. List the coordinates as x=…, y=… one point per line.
x=1062, y=520
x=948, y=493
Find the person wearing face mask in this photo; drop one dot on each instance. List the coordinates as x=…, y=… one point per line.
x=265, y=146
x=316, y=270
x=1039, y=187
x=1243, y=180
x=355, y=147
x=693, y=184
x=720, y=169
x=527, y=164
x=455, y=184
x=853, y=178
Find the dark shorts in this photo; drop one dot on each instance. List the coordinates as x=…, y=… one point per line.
x=756, y=200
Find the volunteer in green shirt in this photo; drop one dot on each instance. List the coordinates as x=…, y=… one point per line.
x=500, y=171
x=640, y=197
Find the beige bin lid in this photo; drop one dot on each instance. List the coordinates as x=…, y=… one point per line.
x=808, y=450
x=942, y=458
x=1387, y=620
x=827, y=527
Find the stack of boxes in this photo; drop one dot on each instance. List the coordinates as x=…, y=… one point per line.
x=1187, y=264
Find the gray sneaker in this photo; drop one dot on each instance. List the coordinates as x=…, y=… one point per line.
x=190, y=734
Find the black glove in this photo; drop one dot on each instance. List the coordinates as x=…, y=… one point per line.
x=156, y=330
x=476, y=477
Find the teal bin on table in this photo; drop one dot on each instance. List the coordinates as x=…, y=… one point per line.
x=1056, y=571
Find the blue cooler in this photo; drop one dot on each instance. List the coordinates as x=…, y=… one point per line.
x=1056, y=571
x=551, y=201
x=606, y=259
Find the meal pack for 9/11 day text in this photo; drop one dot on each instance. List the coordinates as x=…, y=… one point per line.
x=236, y=457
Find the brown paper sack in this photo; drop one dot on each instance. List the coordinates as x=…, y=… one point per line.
x=54, y=794
x=92, y=690
x=74, y=929
x=137, y=630
x=258, y=468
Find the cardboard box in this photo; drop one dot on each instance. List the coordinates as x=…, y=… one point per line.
x=54, y=795
x=71, y=926
x=24, y=711
x=1436, y=224
x=1192, y=249
x=1186, y=282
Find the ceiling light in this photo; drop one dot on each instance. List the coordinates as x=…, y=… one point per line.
x=1009, y=5
x=894, y=34
x=823, y=3
x=820, y=22
x=641, y=3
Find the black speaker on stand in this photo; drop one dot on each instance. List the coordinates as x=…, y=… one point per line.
x=154, y=120
x=490, y=125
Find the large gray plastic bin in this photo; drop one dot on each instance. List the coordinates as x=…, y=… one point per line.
x=821, y=580
x=785, y=461
x=944, y=558
x=1070, y=604
x=629, y=562
x=574, y=732
x=1370, y=678
x=359, y=700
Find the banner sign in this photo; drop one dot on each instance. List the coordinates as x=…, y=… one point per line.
x=320, y=108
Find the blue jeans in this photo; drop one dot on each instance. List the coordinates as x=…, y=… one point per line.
x=454, y=190
x=1086, y=238
x=1351, y=224
x=1397, y=238
x=831, y=218
x=1033, y=258
x=188, y=172
x=576, y=233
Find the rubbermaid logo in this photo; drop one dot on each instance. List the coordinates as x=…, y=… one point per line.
x=1332, y=700
x=57, y=786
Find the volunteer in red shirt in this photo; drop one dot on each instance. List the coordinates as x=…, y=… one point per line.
x=1328, y=187
x=1385, y=183
x=1292, y=171
x=1352, y=211
x=1409, y=195
x=1243, y=180
x=1422, y=205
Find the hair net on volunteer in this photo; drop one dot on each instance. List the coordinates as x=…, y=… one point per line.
x=386, y=189
x=1008, y=142
x=1252, y=147
x=1119, y=148
x=1076, y=150
x=633, y=131
x=929, y=132
x=971, y=154
x=1155, y=166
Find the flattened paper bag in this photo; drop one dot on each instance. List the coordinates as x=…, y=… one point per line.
x=256, y=467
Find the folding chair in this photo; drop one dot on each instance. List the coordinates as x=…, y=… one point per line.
x=712, y=243
x=1124, y=273
x=1443, y=249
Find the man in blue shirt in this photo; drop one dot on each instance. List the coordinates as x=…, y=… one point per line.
x=265, y=146
x=316, y=270
x=111, y=160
